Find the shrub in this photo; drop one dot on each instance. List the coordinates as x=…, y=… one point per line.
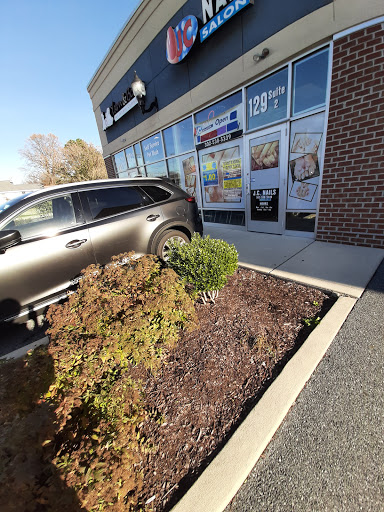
x=205, y=263
x=122, y=315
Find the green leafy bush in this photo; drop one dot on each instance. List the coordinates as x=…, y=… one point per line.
x=122, y=315
x=205, y=263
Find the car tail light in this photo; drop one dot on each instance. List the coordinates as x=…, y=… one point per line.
x=190, y=199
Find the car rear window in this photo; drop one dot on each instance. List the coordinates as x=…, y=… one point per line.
x=113, y=200
x=156, y=193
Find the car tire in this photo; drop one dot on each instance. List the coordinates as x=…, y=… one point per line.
x=162, y=245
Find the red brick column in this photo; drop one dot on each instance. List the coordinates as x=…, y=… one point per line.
x=352, y=196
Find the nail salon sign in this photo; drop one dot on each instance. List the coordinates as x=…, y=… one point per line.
x=215, y=13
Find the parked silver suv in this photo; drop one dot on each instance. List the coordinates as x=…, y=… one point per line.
x=47, y=237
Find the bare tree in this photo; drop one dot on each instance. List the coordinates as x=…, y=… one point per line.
x=44, y=156
x=83, y=162
x=49, y=163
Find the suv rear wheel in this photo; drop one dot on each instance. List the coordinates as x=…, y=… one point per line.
x=162, y=247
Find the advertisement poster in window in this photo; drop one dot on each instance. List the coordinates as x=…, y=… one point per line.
x=232, y=183
x=189, y=169
x=265, y=156
x=221, y=174
x=304, y=170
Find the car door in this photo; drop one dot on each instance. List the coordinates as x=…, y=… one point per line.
x=120, y=219
x=55, y=247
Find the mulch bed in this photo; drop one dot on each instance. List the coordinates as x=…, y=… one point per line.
x=206, y=386
x=217, y=373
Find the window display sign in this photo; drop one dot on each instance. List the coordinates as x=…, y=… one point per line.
x=221, y=128
x=267, y=100
x=304, y=166
x=265, y=156
x=152, y=149
x=189, y=169
x=265, y=204
x=210, y=174
x=232, y=182
x=221, y=176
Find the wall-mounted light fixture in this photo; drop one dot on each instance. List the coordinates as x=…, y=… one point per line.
x=260, y=56
x=138, y=89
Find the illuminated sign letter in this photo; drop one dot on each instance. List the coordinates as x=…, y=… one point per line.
x=180, y=39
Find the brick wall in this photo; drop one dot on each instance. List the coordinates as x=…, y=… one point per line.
x=352, y=197
x=110, y=168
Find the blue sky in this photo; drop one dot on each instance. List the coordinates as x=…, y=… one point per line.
x=49, y=51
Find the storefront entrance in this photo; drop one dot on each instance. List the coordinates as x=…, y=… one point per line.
x=265, y=174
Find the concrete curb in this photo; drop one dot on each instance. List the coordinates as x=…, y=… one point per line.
x=21, y=352
x=219, y=483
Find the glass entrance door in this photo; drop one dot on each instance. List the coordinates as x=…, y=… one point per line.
x=266, y=180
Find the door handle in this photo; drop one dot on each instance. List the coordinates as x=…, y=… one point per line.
x=75, y=243
x=151, y=218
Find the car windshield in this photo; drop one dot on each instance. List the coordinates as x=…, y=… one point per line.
x=11, y=202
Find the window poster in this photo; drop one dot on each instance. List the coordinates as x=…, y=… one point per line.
x=265, y=156
x=189, y=169
x=221, y=177
x=304, y=169
x=232, y=183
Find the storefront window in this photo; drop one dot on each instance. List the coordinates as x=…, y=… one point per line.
x=130, y=155
x=153, y=149
x=310, y=76
x=300, y=221
x=174, y=170
x=219, y=123
x=120, y=162
x=157, y=170
x=267, y=100
x=218, y=108
x=179, y=138
x=189, y=171
x=139, y=155
x=304, y=168
x=222, y=177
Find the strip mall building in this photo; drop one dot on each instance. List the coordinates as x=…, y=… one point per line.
x=271, y=113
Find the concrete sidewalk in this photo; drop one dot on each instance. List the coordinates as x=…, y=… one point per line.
x=328, y=453
x=343, y=269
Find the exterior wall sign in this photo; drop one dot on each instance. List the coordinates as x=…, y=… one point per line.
x=180, y=39
x=267, y=100
x=222, y=128
x=217, y=12
x=117, y=110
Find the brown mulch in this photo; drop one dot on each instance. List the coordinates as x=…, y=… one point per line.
x=203, y=390
x=216, y=373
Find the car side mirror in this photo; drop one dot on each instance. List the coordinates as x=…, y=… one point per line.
x=9, y=239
